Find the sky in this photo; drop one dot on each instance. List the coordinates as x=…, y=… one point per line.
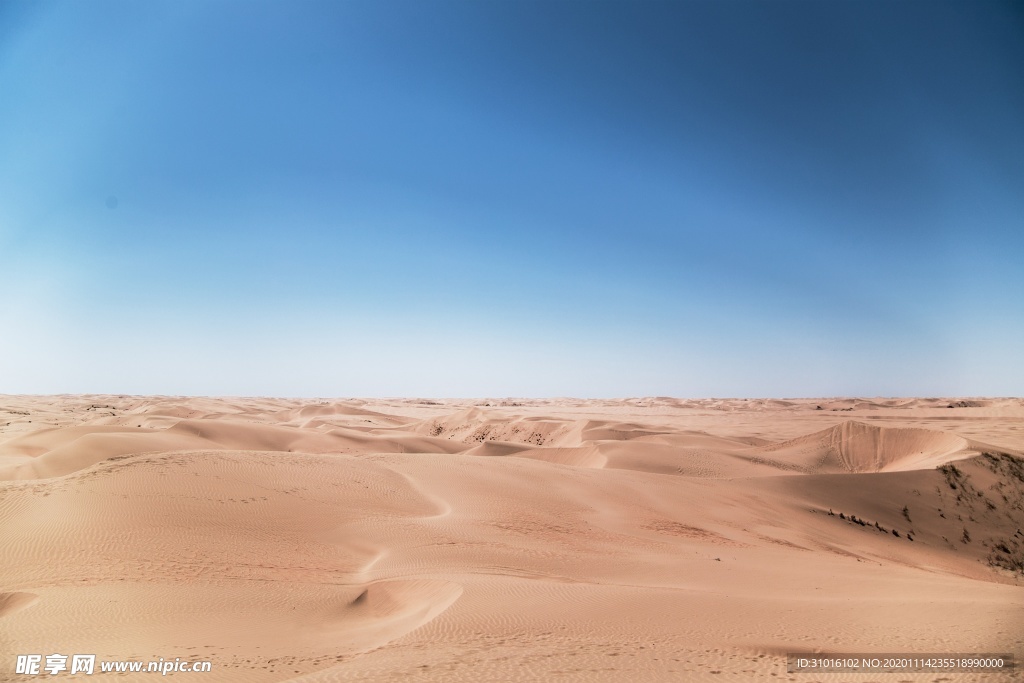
x=512, y=198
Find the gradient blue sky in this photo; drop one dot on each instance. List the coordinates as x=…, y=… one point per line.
x=519, y=198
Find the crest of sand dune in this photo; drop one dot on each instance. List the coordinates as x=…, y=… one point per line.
x=645, y=539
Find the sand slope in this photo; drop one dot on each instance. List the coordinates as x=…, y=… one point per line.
x=857, y=447
x=502, y=540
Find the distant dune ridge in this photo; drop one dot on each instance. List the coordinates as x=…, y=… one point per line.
x=857, y=447
x=644, y=539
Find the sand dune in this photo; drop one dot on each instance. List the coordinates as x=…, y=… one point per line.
x=12, y=602
x=857, y=447
x=383, y=611
x=646, y=539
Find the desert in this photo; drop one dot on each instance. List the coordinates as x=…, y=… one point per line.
x=501, y=341
x=650, y=539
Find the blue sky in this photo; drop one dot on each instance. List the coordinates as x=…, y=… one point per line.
x=512, y=198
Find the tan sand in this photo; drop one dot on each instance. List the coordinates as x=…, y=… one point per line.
x=645, y=539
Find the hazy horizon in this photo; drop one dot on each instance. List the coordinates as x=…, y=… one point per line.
x=453, y=199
